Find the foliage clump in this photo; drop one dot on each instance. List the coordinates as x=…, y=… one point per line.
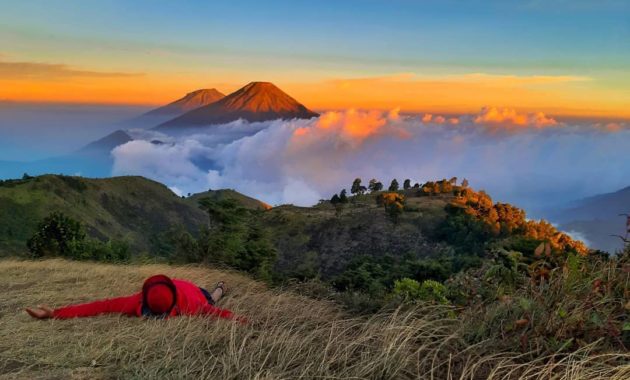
x=61, y=236
x=233, y=237
x=412, y=291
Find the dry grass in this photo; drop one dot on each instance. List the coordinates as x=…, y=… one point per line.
x=289, y=336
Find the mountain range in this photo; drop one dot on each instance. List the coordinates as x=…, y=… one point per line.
x=596, y=219
x=257, y=101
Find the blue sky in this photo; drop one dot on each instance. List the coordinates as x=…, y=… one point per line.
x=231, y=43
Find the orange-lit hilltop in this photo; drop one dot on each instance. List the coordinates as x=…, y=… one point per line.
x=503, y=219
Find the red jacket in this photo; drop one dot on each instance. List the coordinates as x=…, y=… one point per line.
x=190, y=301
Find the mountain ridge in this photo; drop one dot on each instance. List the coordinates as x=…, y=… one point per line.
x=596, y=218
x=189, y=102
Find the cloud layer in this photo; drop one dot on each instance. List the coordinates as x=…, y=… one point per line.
x=51, y=71
x=528, y=159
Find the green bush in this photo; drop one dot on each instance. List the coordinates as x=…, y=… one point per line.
x=57, y=235
x=60, y=235
x=234, y=237
x=411, y=291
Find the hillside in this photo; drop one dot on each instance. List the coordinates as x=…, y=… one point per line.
x=428, y=239
x=597, y=218
x=288, y=336
x=257, y=101
x=218, y=195
x=321, y=240
x=134, y=209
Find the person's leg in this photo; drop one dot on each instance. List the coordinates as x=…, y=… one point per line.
x=218, y=291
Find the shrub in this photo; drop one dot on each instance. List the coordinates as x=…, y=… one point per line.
x=57, y=235
x=60, y=235
x=411, y=291
x=235, y=238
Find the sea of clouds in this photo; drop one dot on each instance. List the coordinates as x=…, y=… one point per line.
x=531, y=160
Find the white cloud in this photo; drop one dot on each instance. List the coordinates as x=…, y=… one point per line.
x=301, y=161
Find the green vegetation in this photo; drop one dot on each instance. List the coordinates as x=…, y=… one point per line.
x=60, y=236
x=233, y=237
x=520, y=283
x=56, y=236
x=132, y=209
x=222, y=194
x=412, y=291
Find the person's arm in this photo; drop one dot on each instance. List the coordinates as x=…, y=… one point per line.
x=124, y=305
x=216, y=312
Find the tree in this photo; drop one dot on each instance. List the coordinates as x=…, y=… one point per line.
x=378, y=186
x=56, y=235
x=445, y=186
x=335, y=199
x=453, y=181
x=356, y=186
x=407, y=184
x=393, y=203
x=464, y=182
x=372, y=184
x=343, y=197
x=394, y=185
x=236, y=238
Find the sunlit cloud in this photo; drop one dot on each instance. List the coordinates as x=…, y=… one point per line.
x=300, y=161
x=510, y=117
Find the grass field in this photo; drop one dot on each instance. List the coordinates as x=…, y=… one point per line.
x=288, y=337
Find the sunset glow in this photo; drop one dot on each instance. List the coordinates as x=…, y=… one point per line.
x=154, y=55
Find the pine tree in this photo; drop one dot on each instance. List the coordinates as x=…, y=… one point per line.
x=335, y=199
x=356, y=186
x=407, y=184
x=343, y=198
x=394, y=185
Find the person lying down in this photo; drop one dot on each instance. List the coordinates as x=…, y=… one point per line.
x=160, y=297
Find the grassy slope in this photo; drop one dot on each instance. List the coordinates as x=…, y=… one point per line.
x=131, y=208
x=218, y=195
x=309, y=239
x=289, y=336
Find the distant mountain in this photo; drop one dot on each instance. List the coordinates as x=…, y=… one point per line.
x=258, y=101
x=93, y=160
x=107, y=143
x=191, y=101
x=596, y=218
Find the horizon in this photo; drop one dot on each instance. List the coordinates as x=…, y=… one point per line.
x=561, y=58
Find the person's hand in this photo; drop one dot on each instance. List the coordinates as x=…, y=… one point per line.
x=40, y=312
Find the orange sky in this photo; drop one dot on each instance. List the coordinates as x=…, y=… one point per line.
x=559, y=95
